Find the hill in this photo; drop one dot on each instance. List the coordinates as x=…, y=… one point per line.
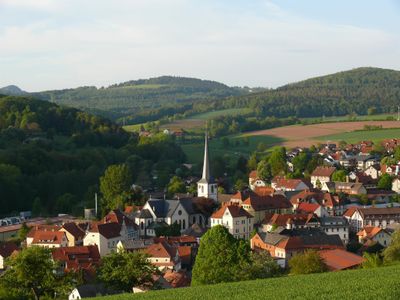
x=144, y=100
x=51, y=157
x=360, y=91
x=380, y=283
x=12, y=90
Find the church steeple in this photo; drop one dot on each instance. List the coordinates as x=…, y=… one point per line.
x=206, y=163
x=206, y=186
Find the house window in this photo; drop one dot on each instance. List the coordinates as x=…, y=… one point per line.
x=184, y=224
x=179, y=212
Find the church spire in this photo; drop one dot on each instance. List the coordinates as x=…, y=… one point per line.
x=206, y=164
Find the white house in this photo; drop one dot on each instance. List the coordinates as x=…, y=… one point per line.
x=283, y=184
x=237, y=220
x=373, y=171
x=321, y=175
x=105, y=235
x=336, y=225
x=396, y=185
x=255, y=181
x=359, y=217
x=374, y=234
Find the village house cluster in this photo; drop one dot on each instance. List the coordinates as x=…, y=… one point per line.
x=283, y=217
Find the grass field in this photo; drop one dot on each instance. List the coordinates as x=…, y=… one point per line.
x=219, y=113
x=356, y=136
x=380, y=117
x=194, y=152
x=380, y=283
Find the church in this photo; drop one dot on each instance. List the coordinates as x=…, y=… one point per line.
x=184, y=211
x=206, y=186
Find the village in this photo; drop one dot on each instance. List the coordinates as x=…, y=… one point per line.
x=341, y=220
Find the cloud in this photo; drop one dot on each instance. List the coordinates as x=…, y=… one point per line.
x=70, y=43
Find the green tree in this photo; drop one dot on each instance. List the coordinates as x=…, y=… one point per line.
x=397, y=154
x=115, y=186
x=252, y=162
x=339, y=175
x=263, y=266
x=277, y=161
x=307, y=263
x=240, y=185
x=385, y=182
x=176, y=185
x=33, y=272
x=23, y=232
x=371, y=111
x=372, y=260
x=218, y=258
x=264, y=170
x=392, y=253
x=300, y=162
x=124, y=270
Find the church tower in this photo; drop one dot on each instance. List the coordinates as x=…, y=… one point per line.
x=206, y=187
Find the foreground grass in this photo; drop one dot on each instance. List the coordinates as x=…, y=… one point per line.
x=380, y=283
x=356, y=136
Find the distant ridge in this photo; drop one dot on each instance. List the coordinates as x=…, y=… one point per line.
x=12, y=90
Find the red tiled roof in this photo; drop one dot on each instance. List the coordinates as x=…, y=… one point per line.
x=323, y=171
x=369, y=231
x=74, y=230
x=264, y=190
x=7, y=248
x=177, y=279
x=162, y=249
x=253, y=174
x=307, y=207
x=48, y=237
x=108, y=230
x=283, y=219
x=267, y=202
x=350, y=211
x=287, y=183
x=235, y=210
x=339, y=259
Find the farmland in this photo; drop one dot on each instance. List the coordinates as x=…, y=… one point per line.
x=356, y=136
x=355, y=284
x=307, y=135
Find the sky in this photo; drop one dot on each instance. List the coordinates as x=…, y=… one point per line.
x=54, y=44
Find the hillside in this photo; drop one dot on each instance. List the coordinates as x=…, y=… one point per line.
x=12, y=90
x=353, y=91
x=380, y=283
x=51, y=157
x=144, y=100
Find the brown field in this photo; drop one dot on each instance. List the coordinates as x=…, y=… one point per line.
x=307, y=135
x=184, y=124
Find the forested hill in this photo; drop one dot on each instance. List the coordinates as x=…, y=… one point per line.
x=354, y=91
x=51, y=157
x=144, y=100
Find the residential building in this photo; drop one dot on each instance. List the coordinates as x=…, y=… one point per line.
x=333, y=204
x=237, y=220
x=78, y=259
x=258, y=206
x=74, y=233
x=163, y=256
x=350, y=188
x=255, y=181
x=105, y=236
x=312, y=208
x=321, y=175
x=289, y=221
x=287, y=243
x=6, y=249
x=371, y=234
x=283, y=184
x=49, y=239
x=374, y=171
x=396, y=185
x=359, y=217
x=336, y=226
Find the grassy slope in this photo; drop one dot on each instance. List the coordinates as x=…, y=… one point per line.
x=381, y=283
x=356, y=136
x=194, y=152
